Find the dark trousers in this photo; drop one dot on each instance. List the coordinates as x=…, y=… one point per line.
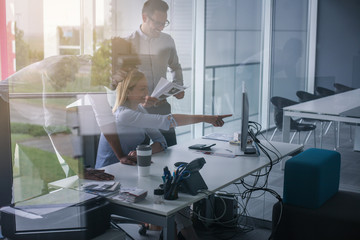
x=170, y=135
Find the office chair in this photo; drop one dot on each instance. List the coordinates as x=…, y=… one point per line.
x=339, y=88
x=279, y=103
x=306, y=96
x=324, y=92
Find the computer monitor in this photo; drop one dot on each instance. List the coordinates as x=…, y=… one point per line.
x=247, y=149
x=244, y=120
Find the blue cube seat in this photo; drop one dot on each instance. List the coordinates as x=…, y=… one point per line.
x=311, y=178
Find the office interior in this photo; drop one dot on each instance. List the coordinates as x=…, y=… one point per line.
x=276, y=47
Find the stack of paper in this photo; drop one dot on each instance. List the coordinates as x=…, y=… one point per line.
x=101, y=188
x=131, y=195
x=166, y=89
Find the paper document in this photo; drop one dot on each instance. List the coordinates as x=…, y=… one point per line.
x=219, y=136
x=217, y=153
x=130, y=194
x=166, y=89
x=100, y=188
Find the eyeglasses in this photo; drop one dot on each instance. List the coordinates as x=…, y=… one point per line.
x=160, y=24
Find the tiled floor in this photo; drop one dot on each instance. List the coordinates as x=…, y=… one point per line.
x=260, y=206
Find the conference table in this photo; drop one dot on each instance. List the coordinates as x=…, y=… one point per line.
x=341, y=107
x=218, y=172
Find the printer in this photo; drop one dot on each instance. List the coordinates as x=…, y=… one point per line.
x=62, y=214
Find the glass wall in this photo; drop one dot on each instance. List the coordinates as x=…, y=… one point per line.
x=53, y=67
x=290, y=24
x=289, y=49
x=68, y=54
x=61, y=50
x=128, y=19
x=233, y=56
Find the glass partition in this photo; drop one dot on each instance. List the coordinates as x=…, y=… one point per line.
x=233, y=55
x=289, y=49
x=63, y=50
x=70, y=53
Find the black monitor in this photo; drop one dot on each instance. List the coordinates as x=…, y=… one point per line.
x=244, y=120
x=245, y=147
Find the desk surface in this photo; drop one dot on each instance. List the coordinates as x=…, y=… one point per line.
x=331, y=105
x=355, y=112
x=218, y=172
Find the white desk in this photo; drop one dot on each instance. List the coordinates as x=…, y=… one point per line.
x=218, y=172
x=332, y=108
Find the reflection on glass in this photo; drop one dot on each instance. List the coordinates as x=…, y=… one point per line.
x=63, y=53
x=233, y=51
x=289, y=47
x=70, y=53
x=49, y=76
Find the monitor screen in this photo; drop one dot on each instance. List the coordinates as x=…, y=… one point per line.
x=244, y=120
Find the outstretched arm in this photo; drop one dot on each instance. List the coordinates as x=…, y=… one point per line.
x=184, y=119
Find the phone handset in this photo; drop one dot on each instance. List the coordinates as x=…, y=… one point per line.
x=194, y=183
x=193, y=166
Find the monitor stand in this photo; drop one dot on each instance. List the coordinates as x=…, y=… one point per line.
x=250, y=149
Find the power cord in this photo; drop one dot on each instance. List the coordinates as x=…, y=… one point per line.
x=202, y=218
x=260, y=181
x=254, y=130
x=114, y=225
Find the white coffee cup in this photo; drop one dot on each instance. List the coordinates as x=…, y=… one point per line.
x=143, y=159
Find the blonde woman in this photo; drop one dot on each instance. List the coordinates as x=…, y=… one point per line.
x=133, y=122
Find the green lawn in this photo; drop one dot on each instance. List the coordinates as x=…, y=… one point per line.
x=34, y=168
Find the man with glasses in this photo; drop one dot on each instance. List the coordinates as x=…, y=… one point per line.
x=157, y=53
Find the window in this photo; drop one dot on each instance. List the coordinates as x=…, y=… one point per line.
x=233, y=56
x=59, y=50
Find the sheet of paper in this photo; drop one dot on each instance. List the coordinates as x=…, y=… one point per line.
x=165, y=89
x=219, y=136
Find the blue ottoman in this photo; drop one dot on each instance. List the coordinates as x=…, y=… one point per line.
x=311, y=178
